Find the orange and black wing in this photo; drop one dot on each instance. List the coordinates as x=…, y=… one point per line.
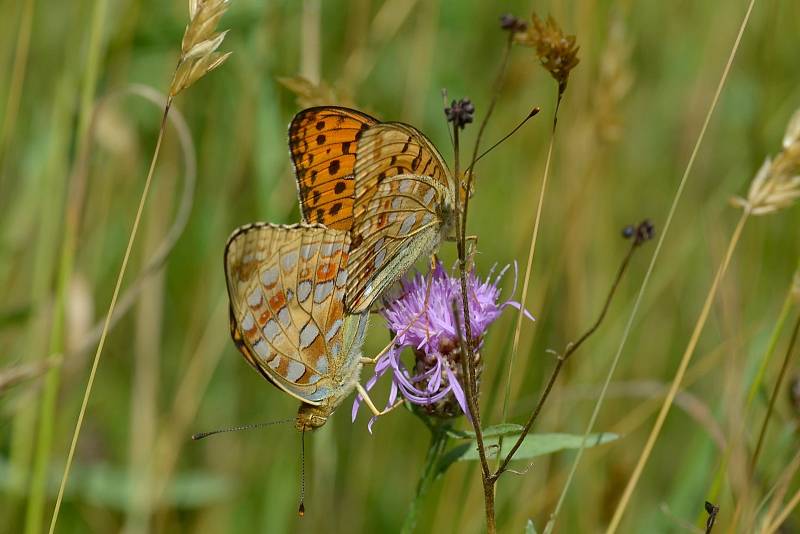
x=322, y=142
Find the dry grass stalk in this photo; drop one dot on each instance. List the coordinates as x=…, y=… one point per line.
x=198, y=57
x=615, y=79
x=18, y=374
x=777, y=183
x=199, y=44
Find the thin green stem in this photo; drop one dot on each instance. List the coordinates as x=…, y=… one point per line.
x=101, y=344
x=435, y=452
x=16, y=83
x=774, y=395
x=73, y=213
x=645, y=282
x=678, y=378
x=562, y=358
x=527, y=276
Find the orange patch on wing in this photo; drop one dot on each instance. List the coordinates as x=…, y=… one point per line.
x=326, y=271
x=323, y=142
x=277, y=301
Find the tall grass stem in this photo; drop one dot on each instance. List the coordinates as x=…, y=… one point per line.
x=645, y=282
x=101, y=344
x=678, y=378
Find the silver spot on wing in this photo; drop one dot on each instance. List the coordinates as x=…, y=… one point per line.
x=261, y=348
x=303, y=290
x=308, y=334
x=408, y=223
x=271, y=330
x=337, y=324
x=294, y=370
x=322, y=291
x=428, y=196
x=269, y=277
x=289, y=260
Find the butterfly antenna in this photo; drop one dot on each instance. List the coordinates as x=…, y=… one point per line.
x=201, y=435
x=530, y=115
x=301, y=510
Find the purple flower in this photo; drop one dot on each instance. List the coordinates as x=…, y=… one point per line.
x=421, y=317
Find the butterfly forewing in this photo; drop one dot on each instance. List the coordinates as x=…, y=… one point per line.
x=322, y=142
x=286, y=286
x=403, y=204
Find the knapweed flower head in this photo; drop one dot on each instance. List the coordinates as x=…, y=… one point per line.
x=421, y=316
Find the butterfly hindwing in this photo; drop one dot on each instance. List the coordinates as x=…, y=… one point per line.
x=322, y=142
x=400, y=222
x=403, y=205
x=286, y=286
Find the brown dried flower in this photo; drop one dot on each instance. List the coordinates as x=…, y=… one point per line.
x=777, y=183
x=310, y=94
x=557, y=52
x=199, y=45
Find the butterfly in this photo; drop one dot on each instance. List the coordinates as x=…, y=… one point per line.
x=286, y=286
x=383, y=182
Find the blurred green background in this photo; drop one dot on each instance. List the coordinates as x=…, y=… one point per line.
x=632, y=111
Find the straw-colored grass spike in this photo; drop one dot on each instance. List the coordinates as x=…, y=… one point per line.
x=199, y=54
x=777, y=183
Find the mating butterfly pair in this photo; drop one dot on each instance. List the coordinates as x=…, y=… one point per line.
x=374, y=197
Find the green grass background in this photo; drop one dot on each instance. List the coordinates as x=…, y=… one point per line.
x=169, y=368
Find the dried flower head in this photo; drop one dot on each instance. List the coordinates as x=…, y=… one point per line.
x=777, y=183
x=199, y=54
x=460, y=112
x=513, y=24
x=421, y=315
x=642, y=232
x=310, y=94
x=557, y=52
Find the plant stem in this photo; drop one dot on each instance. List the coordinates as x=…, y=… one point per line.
x=667, y=224
x=562, y=358
x=778, y=383
x=528, y=269
x=763, y=432
x=468, y=358
x=676, y=382
x=775, y=335
x=101, y=344
x=436, y=449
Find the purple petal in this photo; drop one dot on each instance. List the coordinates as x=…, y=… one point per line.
x=458, y=393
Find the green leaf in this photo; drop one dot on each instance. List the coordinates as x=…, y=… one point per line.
x=538, y=445
x=529, y=528
x=503, y=429
x=113, y=487
x=450, y=457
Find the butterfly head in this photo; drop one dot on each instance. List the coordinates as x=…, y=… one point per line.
x=310, y=417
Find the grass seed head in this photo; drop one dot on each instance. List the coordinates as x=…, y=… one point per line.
x=776, y=185
x=199, y=54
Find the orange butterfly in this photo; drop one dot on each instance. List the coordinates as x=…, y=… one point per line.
x=286, y=286
x=384, y=182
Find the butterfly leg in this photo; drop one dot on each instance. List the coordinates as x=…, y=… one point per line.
x=371, y=405
x=374, y=360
